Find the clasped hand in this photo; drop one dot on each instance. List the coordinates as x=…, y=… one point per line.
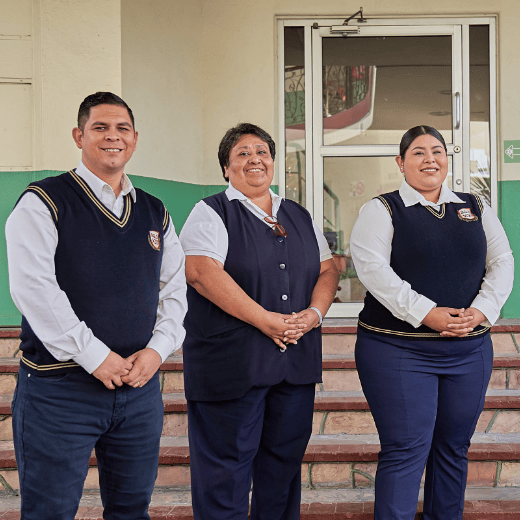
x=286, y=329
x=136, y=370
x=455, y=323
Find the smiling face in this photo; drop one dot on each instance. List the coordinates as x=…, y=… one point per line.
x=425, y=166
x=251, y=166
x=107, y=140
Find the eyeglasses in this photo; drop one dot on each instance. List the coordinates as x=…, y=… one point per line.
x=277, y=228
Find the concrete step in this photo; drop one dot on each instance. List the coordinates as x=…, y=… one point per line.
x=175, y=504
x=339, y=369
x=334, y=413
x=330, y=461
x=339, y=373
x=339, y=467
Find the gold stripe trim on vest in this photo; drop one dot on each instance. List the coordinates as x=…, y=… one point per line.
x=126, y=212
x=43, y=194
x=385, y=203
x=166, y=219
x=436, y=213
x=44, y=368
x=417, y=334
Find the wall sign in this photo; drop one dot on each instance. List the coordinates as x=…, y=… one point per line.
x=511, y=151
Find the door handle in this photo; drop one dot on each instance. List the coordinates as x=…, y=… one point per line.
x=457, y=110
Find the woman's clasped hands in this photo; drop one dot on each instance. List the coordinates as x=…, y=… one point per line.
x=299, y=323
x=286, y=329
x=455, y=323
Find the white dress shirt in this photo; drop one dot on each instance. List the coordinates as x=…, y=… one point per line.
x=32, y=239
x=371, y=247
x=204, y=233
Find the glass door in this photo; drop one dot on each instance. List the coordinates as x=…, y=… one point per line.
x=375, y=84
x=351, y=92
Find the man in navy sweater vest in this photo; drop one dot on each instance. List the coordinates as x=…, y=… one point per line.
x=97, y=271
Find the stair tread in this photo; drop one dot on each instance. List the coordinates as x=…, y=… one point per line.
x=325, y=401
x=173, y=441
x=164, y=501
x=326, y=448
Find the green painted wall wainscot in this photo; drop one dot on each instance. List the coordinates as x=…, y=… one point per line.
x=180, y=197
x=509, y=213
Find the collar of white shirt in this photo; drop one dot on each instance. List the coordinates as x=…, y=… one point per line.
x=97, y=185
x=410, y=196
x=233, y=194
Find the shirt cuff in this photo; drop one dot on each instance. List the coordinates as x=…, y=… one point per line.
x=202, y=252
x=486, y=309
x=419, y=311
x=326, y=256
x=93, y=356
x=162, y=345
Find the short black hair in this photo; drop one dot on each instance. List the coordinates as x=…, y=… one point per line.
x=100, y=98
x=410, y=136
x=231, y=138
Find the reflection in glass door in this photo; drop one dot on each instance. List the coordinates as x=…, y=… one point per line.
x=348, y=183
x=411, y=75
x=479, y=146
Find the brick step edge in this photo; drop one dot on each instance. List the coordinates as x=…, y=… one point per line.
x=174, y=403
x=473, y=510
x=339, y=453
x=11, y=365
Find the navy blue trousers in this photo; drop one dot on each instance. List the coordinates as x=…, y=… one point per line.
x=59, y=420
x=426, y=398
x=261, y=436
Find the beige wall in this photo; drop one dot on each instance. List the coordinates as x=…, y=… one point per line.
x=80, y=53
x=191, y=69
x=163, y=83
x=244, y=76
x=234, y=67
x=16, y=93
x=54, y=53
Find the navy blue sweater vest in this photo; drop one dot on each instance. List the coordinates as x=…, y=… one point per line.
x=441, y=254
x=225, y=357
x=108, y=267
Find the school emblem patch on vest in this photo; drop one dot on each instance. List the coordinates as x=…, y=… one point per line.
x=466, y=214
x=155, y=240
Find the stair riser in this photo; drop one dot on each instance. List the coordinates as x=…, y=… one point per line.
x=327, y=423
x=333, y=344
x=362, y=475
x=9, y=347
x=348, y=380
x=319, y=475
x=333, y=381
x=361, y=422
